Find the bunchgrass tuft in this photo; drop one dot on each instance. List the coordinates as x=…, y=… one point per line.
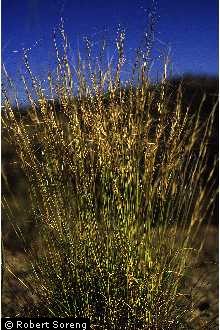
x=118, y=186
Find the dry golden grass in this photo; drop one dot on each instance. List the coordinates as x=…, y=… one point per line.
x=117, y=189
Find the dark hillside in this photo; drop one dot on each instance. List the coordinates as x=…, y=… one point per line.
x=194, y=88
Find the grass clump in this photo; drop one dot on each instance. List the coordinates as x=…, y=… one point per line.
x=117, y=189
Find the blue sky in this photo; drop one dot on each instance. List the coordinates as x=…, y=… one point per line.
x=189, y=28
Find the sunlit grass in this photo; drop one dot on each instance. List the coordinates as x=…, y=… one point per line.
x=117, y=189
